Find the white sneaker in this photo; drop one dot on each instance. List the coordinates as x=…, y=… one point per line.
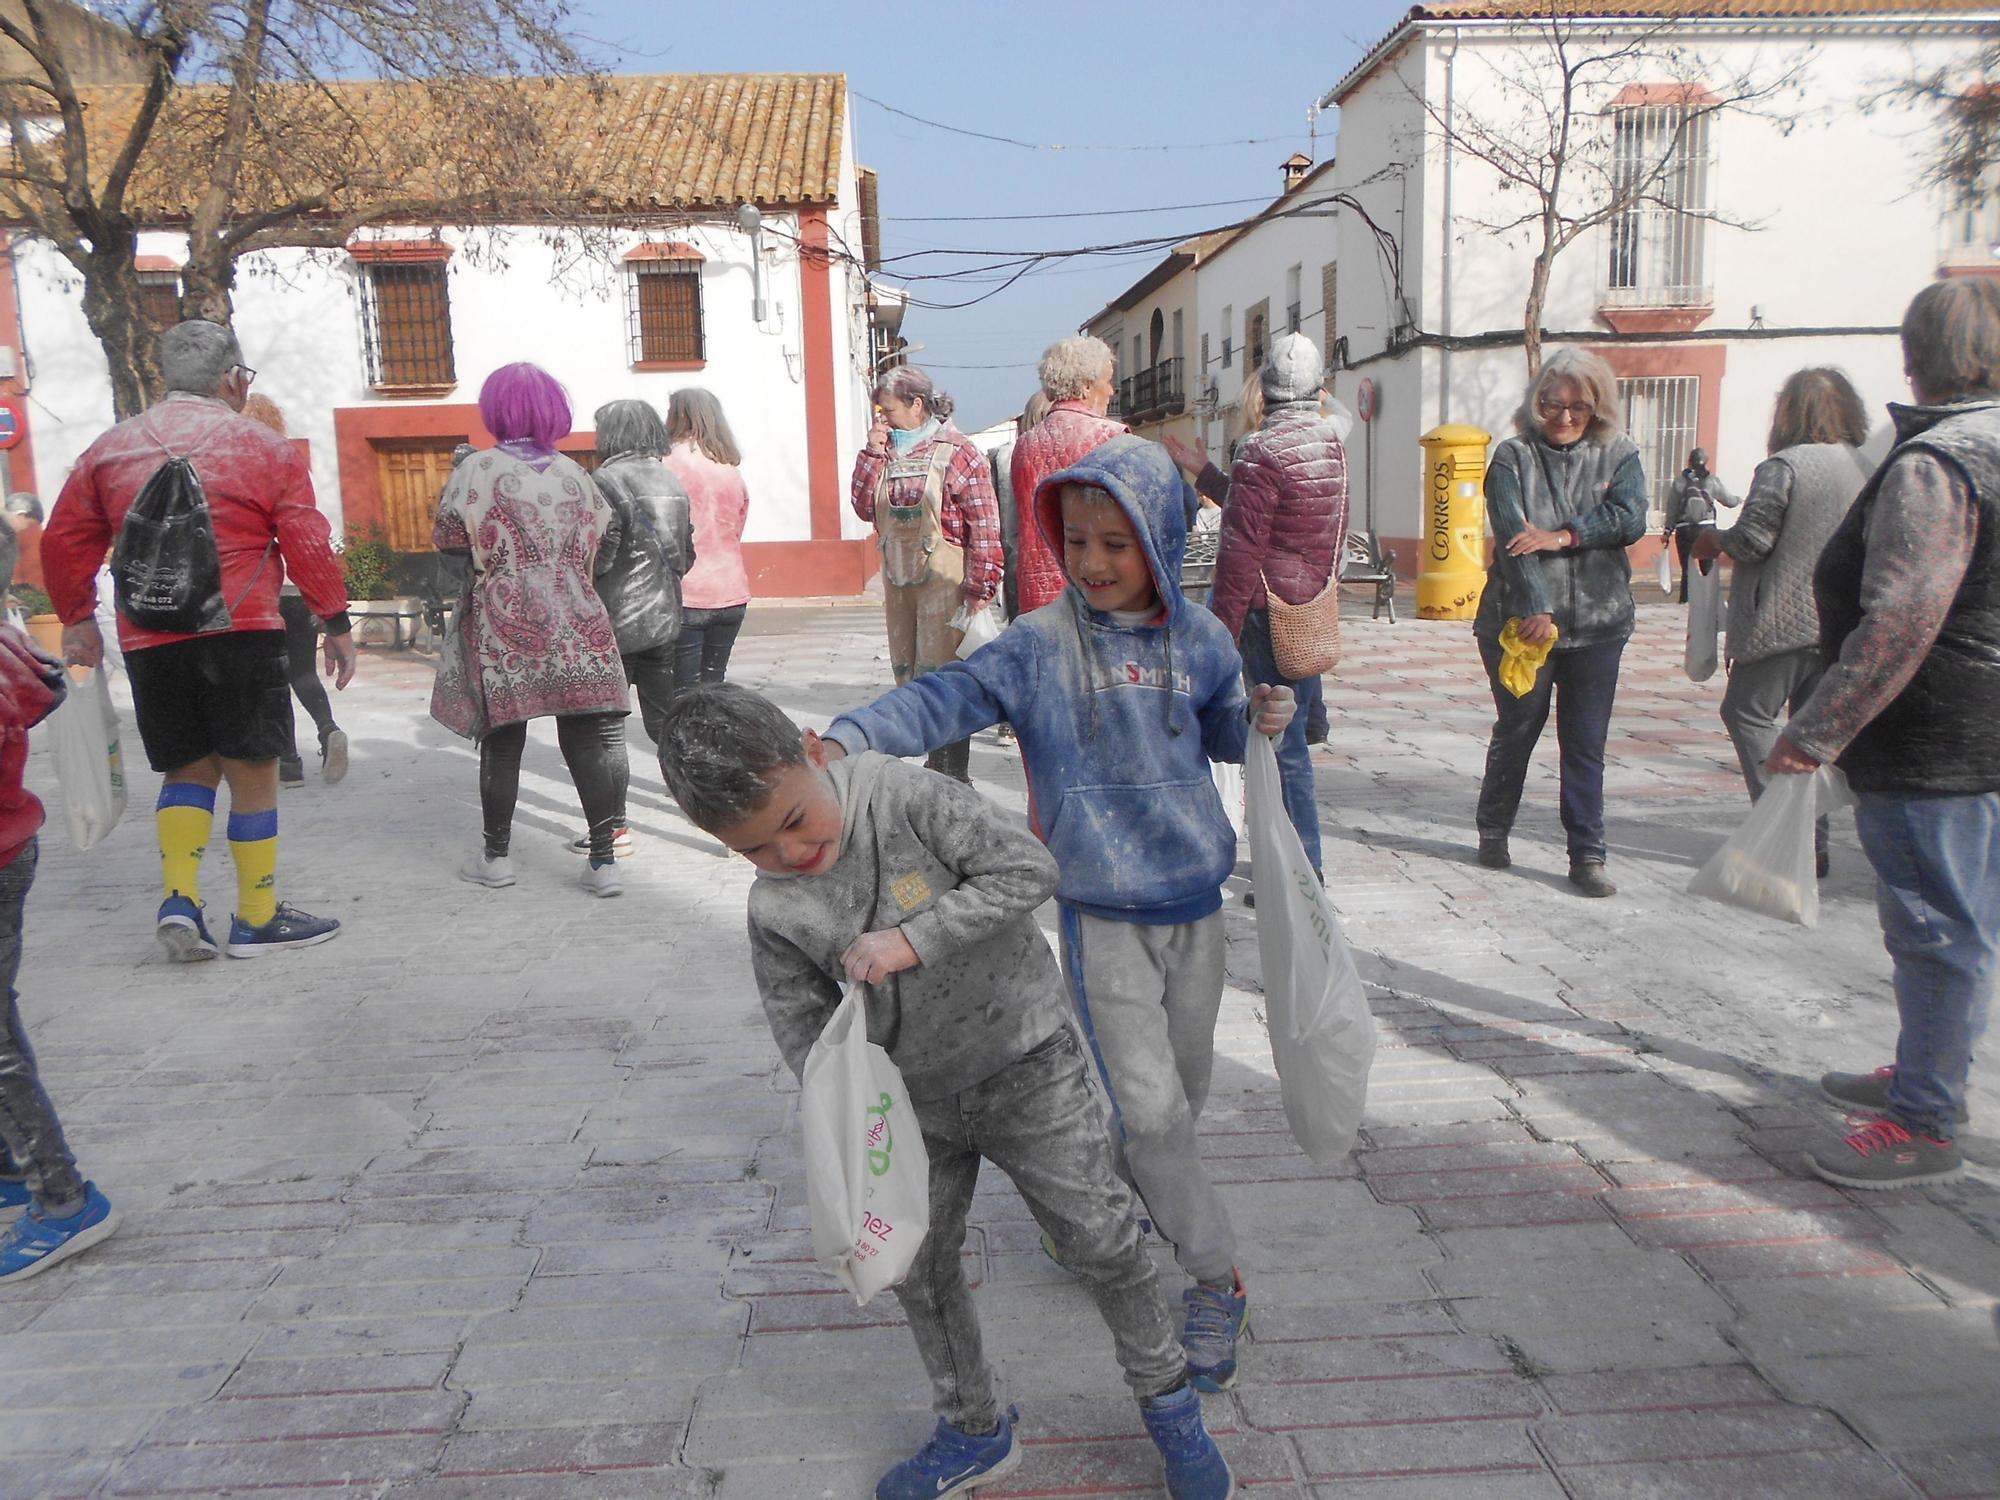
x=603, y=880
x=489, y=872
x=333, y=757
x=621, y=844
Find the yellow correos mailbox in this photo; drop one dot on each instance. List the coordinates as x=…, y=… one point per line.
x=1451, y=570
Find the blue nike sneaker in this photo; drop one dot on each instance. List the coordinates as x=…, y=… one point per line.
x=954, y=1461
x=1196, y=1469
x=290, y=928
x=1215, y=1317
x=35, y=1243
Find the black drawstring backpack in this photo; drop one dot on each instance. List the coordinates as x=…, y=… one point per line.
x=167, y=571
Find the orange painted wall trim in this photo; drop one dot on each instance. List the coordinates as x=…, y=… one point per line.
x=796, y=570
x=823, y=486
x=357, y=430
x=1632, y=362
x=21, y=457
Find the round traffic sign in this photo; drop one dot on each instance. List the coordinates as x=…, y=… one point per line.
x=13, y=422
x=1364, y=400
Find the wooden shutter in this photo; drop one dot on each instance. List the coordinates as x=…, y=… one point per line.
x=413, y=475
x=411, y=325
x=669, y=304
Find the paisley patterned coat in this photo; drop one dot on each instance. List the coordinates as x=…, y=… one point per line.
x=540, y=635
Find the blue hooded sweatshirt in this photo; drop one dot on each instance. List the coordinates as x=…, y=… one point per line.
x=1117, y=761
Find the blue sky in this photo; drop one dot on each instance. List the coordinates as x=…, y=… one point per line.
x=1110, y=73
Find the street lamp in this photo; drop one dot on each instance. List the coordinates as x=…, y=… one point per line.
x=751, y=222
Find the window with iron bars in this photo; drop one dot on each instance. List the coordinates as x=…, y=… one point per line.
x=663, y=315
x=406, y=324
x=1661, y=413
x=160, y=296
x=1659, y=243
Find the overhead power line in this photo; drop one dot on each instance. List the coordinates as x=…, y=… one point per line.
x=1086, y=213
x=1008, y=140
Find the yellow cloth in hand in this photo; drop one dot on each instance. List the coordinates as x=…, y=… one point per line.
x=1521, y=663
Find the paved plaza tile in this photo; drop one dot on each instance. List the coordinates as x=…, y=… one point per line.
x=500, y=1196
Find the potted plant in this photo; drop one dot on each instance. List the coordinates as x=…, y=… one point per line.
x=42, y=622
x=381, y=616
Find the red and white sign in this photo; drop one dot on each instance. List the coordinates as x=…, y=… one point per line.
x=1364, y=400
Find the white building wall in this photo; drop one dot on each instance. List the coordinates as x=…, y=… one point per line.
x=1827, y=227
x=513, y=297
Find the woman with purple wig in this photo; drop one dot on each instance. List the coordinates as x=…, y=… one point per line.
x=533, y=639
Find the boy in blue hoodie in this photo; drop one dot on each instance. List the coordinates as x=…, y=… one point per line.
x=1121, y=693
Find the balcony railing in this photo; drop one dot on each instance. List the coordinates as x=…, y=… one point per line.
x=1153, y=392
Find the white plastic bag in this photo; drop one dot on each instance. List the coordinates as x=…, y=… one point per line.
x=1766, y=866
x=980, y=627
x=1704, y=581
x=1666, y=567
x=1228, y=778
x=867, y=1173
x=83, y=738
x=1322, y=1034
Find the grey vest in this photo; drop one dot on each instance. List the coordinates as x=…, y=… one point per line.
x=1771, y=605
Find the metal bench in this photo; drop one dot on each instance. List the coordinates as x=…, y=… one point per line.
x=1364, y=561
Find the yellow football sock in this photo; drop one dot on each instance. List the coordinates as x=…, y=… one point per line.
x=253, y=844
x=184, y=817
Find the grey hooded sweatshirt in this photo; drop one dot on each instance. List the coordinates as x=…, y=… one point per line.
x=924, y=853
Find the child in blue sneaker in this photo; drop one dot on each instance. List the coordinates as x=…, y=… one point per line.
x=1121, y=693
x=64, y=1214
x=911, y=884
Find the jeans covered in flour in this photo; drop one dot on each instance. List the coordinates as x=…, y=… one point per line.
x=1039, y=1121
x=1295, y=769
x=1937, y=860
x=31, y=1138
x=1147, y=998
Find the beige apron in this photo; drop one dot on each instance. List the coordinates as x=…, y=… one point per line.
x=923, y=575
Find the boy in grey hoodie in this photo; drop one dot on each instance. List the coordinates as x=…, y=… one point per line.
x=906, y=882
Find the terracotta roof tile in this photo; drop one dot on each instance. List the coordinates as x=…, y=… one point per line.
x=640, y=144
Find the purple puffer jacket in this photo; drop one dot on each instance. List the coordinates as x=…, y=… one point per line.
x=1286, y=520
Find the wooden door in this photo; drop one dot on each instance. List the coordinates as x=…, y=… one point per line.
x=413, y=475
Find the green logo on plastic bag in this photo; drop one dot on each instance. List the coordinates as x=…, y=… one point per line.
x=880, y=1142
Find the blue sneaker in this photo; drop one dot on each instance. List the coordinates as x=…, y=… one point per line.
x=35, y=1243
x=1215, y=1318
x=290, y=928
x=14, y=1194
x=1196, y=1469
x=953, y=1462
x=183, y=933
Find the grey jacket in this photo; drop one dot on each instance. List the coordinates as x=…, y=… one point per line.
x=1598, y=491
x=923, y=853
x=1796, y=500
x=1692, y=501
x=648, y=544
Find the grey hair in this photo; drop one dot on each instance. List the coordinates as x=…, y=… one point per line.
x=1071, y=366
x=693, y=413
x=1033, y=413
x=195, y=355
x=717, y=747
x=908, y=383
x=629, y=427
x=23, y=503
x=1589, y=374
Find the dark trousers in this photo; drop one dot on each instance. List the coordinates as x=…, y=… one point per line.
x=302, y=629
x=1684, y=535
x=654, y=672
x=1581, y=683
x=702, y=650
x=1295, y=770
x=593, y=747
x=31, y=1137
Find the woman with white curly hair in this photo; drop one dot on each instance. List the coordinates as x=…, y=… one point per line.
x=1077, y=378
x=1566, y=496
x=930, y=495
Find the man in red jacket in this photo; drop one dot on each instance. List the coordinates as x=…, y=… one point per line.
x=218, y=706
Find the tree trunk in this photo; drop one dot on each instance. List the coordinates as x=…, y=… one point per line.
x=1531, y=315
x=115, y=309
x=206, y=282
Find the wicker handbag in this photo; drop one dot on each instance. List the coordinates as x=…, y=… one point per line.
x=1305, y=638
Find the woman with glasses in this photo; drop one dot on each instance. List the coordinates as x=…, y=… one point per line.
x=1566, y=496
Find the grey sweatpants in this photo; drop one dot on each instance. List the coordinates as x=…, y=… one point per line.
x=1038, y=1121
x=1147, y=998
x=1761, y=695
x=31, y=1138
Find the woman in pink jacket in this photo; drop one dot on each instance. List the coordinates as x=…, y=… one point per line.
x=716, y=591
